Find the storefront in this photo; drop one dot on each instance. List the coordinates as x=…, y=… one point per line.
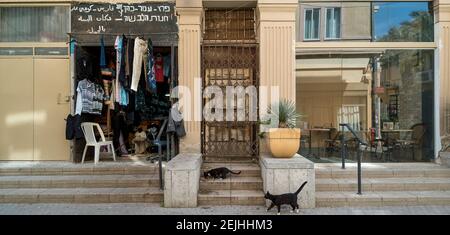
x=352, y=62
x=128, y=53
x=375, y=66
x=62, y=45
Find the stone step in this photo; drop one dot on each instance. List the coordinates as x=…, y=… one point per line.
x=383, y=184
x=81, y=195
x=246, y=169
x=79, y=181
x=436, y=172
x=232, y=183
x=219, y=159
x=231, y=197
x=387, y=198
x=81, y=169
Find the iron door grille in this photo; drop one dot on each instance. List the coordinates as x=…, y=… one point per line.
x=229, y=59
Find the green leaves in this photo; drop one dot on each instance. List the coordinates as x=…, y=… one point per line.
x=285, y=113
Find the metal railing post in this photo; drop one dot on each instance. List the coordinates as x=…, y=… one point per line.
x=358, y=152
x=343, y=147
x=161, y=184
x=359, y=168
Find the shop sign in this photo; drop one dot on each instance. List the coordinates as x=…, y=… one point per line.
x=123, y=18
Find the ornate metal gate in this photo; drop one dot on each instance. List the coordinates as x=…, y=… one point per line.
x=229, y=59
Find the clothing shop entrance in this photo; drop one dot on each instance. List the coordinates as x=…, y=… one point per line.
x=123, y=77
x=229, y=62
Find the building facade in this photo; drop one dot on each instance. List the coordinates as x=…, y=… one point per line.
x=371, y=64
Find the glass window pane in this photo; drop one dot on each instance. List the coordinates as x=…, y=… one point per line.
x=337, y=20
x=386, y=95
x=316, y=21
x=312, y=21
x=333, y=23
x=51, y=51
x=403, y=22
x=16, y=51
x=34, y=24
x=308, y=24
x=329, y=23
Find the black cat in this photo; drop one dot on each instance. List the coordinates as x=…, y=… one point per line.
x=220, y=172
x=287, y=198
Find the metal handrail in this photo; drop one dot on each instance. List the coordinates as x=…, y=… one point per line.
x=343, y=150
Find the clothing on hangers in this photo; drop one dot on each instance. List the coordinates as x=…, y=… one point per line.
x=84, y=66
x=166, y=65
x=90, y=97
x=151, y=79
x=118, y=47
x=140, y=47
x=159, y=65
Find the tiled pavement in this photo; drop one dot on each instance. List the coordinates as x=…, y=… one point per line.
x=153, y=208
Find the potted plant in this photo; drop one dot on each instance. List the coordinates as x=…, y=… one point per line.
x=284, y=140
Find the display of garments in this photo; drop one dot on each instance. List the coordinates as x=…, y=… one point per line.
x=176, y=126
x=122, y=78
x=90, y=97
x=118, y=47
x=140, y=100
x=119, y=127
x=129, y=59
x=150, y=80
x=159, y=66
x=73, y=127
x=112, y=98
x=140, y=48
x=123, y=96
x=84, y=66
x=166, y=65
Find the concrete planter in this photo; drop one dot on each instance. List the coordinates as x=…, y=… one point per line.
x=286, y=175
x=284, y=142
x=444, y=158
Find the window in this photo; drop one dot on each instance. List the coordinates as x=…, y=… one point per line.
x=333, y=23
x=403, y=22
x=34, y=24
x=312, y=22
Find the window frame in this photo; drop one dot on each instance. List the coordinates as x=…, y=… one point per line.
x=325, y=38
x=319, y=32
x=39, y=5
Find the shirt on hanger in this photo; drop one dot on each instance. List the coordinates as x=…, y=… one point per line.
x=159, y=69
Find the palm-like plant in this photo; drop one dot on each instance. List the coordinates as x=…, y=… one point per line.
x=285, y=112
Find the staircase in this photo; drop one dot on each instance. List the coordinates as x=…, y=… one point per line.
x=243, y=189
x=117, y=182
x=383, y=184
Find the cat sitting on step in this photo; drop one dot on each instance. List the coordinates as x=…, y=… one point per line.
x=287, y=198
x=220, y=172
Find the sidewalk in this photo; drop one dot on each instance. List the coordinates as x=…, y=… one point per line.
x=152, y=208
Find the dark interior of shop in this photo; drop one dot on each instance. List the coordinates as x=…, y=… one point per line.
x=145, y=110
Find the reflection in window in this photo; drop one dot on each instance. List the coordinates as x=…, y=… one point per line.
x=312, y=21
x=403, y=22
x=333, y=23
x=34, y=24
x=386, y=95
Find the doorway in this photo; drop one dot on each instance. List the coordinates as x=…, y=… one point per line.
x=229, y=62
x=35, y=101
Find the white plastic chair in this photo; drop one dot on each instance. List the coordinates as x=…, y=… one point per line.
x=89, y=135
